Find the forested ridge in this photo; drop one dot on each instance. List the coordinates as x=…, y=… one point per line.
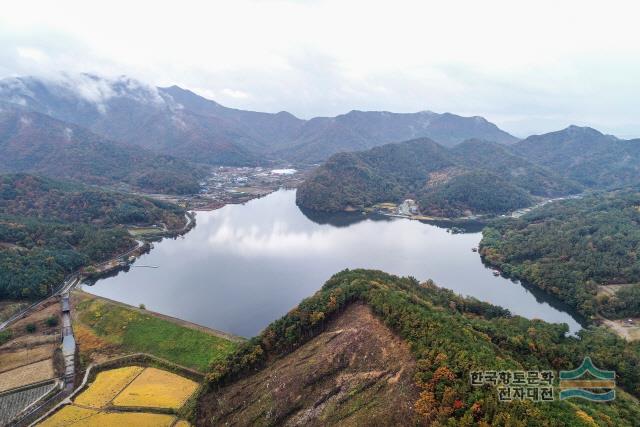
x=31, y=142
x=450, y=336
x=50, y=228
x=585, y=155
x=571, y=247
x=478, y=177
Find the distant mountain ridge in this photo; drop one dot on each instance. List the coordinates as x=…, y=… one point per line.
x=181, y=123
x=585, y=155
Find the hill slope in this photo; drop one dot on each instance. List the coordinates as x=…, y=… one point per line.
x=476, y=176
x=585, y=155
x=569, y=248
x=36, y=143
x=303, y=369
x=49, y=229
x=355, y=371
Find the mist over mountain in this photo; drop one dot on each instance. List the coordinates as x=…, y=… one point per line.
x=128, y=111
x=181, y=123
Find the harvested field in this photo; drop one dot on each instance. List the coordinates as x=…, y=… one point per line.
x=106, y=386
x=30, y=341
x=13, y=359
x=155, y=388
x=27, y=374
x=14, y=403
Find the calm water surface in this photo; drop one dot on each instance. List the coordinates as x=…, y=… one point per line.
x=244, y=266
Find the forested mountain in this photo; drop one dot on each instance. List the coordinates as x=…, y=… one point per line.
x=49, y=229
x=180, y=123
x=502, y=161
x=585, y=155
x=128, y=111
x=36, y=143
x=569, y=248
x=405, y=358
x=474, y=177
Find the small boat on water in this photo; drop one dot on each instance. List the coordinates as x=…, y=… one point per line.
x=474, y=249
x=496, y=273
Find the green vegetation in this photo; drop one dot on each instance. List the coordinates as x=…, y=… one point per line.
x=474, y=177
x=49, y=229
x=586, y=156
x=478, y=192
x=568, y=248
x=451, y=336
x=35, y=143
x=132, y=331
x=31, y=328
x=5, y=336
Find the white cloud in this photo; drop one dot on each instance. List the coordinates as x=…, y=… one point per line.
x=232, y=93
x=529, y=66
x=35, y=55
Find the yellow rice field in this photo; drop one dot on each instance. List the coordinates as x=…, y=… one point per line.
x=131, y=386
x=68, y=415
x=107, y=385
x=76, y=416
x=155, y=388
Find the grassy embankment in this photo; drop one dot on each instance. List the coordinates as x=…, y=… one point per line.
x=105, y=329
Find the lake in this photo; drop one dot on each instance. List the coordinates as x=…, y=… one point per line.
x=244, y=266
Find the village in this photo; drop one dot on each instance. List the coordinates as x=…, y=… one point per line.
x=234, y=185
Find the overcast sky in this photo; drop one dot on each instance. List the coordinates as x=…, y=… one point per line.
x=528, y=66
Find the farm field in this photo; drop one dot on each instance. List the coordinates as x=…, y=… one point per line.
x=155, y=388
x=28, y=374
x=11, y=359
x=14, y=403
x=105, y=329
x=128, y=386
x=107, y=385
x=77, y=416
x=49, y=309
